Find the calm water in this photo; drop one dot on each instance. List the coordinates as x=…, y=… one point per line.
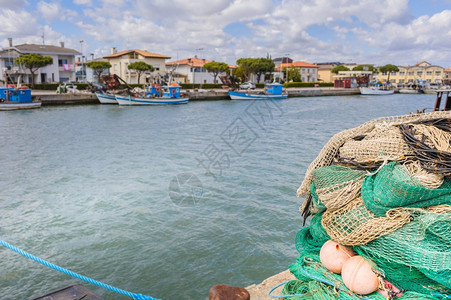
x=104, y=190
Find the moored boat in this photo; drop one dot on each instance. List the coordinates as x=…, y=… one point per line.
x=168, y=95
x=376, y=88
x=106, y=98
x=17, y=98
x=272, y=91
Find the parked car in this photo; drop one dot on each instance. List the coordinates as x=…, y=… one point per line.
x=247, y=85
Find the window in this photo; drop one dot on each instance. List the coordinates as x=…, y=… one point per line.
x=393, y=73
x=402, y=73
x=303, y=72
x=401, y=80
x=156, y=67
x=115, y=67
x=438, y=73
x=429, y=73
x=384, y=73
x=411, y=73
x=62, y=62
x=420, y=73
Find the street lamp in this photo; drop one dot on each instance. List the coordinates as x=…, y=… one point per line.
x=82, y=69
x=287, y=66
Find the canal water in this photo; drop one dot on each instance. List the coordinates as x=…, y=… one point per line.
x=165, y=201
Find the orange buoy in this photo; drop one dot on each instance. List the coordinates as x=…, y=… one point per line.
x=358, y=276
x=333, y=256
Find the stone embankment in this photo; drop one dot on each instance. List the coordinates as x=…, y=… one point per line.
x=52, y=98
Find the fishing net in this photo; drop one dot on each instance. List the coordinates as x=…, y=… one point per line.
x=383, y=188
x=330, y=150
x=393, y=187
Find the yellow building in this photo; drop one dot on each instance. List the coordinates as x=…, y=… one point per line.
x=120, y=60
x=422, y=71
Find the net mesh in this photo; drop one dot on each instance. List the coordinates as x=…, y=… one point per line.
x=383, y=188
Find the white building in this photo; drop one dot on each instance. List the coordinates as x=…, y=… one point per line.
x=62, y=69
x=308, y=72
x=191, y=70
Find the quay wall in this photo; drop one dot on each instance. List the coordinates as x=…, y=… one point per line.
x=52, y=98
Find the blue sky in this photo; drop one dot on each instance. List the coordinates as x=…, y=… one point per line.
x=399, y=32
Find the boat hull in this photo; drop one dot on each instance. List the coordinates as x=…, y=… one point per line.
x=244, y=96
x=128, y=100
x=410, y=91
x=19, y=105
x=375, y=91
x=106, y=98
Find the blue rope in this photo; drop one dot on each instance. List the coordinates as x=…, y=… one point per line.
x=282, y=296
x=73, y=274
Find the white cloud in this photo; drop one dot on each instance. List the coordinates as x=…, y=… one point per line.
x=83, y=2
x=49, y=10
x=16, y=4
x=16, y=23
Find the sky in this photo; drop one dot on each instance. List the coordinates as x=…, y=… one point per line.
x=398, y=32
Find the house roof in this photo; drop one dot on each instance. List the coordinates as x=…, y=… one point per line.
x=193, y=62
x=140, y=52
x=296, y=64
x=44, y=49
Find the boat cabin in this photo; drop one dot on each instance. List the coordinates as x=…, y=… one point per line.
x=273, y=88
x=21, y=95
x=172, y=91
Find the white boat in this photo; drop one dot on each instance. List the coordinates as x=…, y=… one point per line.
x=129, y=100
x=106, y=98
x=411, y=91
x=376, y=89
x=272, y=91
x=17, y=98
x=170, y=95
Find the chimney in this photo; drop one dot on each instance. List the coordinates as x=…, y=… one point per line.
x=113, y=50
x=10, y=40
x=62, y=44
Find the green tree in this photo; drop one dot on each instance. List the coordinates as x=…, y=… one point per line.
x=365, y=68
x=294, y=74
x=248, y=67
x=339, y=68
x=33, y=62
x=98, y=67
x=262, y=66
x=389, y=68
x=140, y=67
x=238, y=73
x=215, y=68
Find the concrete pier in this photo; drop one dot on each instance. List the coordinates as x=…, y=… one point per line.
x=260, y=291
x=52, y=98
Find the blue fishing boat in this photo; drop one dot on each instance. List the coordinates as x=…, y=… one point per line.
x=12, y=98
x=155, y=96
x=272, y=91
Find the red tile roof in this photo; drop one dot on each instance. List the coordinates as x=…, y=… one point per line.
x=296, y=64
x=193, y=62
x=140, y=52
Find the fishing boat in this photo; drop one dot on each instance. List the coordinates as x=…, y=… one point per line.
x=155, y=96
x=12, y=98
x=106, y=98
x=272, y=91
x=377, y=88
x=412, y=89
